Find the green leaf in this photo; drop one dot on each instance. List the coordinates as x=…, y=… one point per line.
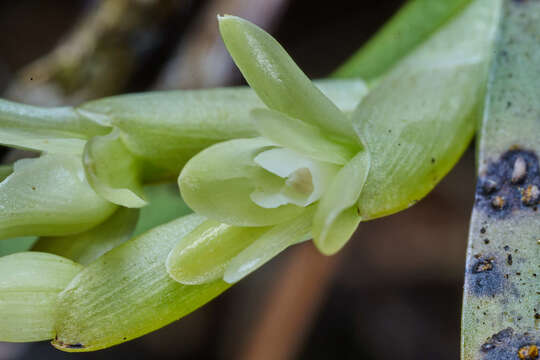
x=337, y=215
x=218, y=183
x=166, y=129
x=408, y=28
x=127, y=292
x=202, y=256
x=49, y=196
x=300, y=136
x=112, y=170
x=278, y=81
x=29, y=286
x=89, y=245
x=55, y=130
x=501, y=303
x=420, y=118
x=268, y=245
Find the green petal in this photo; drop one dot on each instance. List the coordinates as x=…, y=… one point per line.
x=49, y=196
x=300, y=136
x=89, y=245
x=337, y=216
x=278, y=81
x=29, y=286
x=202, y=256
x=55, y=130
x=268, y=245
x=219, y=181
x=112, y=171
x=421, y=117
x=127, y=292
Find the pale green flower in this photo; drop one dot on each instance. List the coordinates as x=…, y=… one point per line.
x=413, y=124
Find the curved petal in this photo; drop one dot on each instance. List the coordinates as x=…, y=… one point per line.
x=113, y=171
x=337, y=215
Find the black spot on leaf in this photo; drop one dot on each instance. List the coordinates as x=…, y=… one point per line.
x=509, y=184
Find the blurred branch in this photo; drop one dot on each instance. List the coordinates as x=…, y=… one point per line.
x=97, y=58
x=202, y=60
x=293, y=301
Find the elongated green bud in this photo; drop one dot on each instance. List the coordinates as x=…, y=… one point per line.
x=127, y=292
x=30, y=284
x=202, y=256
x=49, y=196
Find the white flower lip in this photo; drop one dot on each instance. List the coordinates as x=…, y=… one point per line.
x=305, y=179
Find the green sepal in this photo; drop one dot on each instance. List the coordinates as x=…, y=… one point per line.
x=54, y=130
x=300, y=136
x=49, y=196
x=278, y=81
x=127, y=292
x=113, y=171
x=218, y=183
x=202, y=256
x=337, y=215
x=87, y=246
x=29, y=286
x=268, y=245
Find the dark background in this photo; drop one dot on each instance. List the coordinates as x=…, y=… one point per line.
x=394, y=292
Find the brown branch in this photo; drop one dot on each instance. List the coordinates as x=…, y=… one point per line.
x=96, y=59
x=297, y=294
x=202, y=60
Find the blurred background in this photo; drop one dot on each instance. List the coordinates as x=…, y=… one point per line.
x=393, y=292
